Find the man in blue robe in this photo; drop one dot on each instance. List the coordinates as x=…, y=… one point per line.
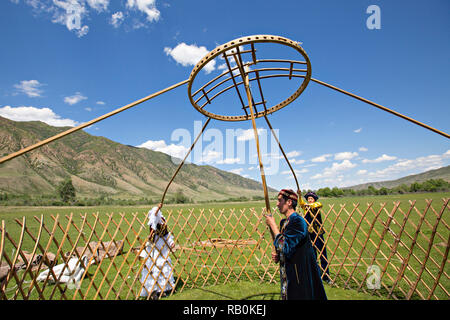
x=299, y=272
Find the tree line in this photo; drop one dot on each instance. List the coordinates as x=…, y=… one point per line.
x=66, y=195
x=431, y=185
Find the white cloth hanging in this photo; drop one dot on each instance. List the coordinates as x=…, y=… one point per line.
x=154, y=219
x=157, y=273
x=71, y=272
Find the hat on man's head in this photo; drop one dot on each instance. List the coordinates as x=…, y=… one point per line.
x=311, y=194
x=289, y=193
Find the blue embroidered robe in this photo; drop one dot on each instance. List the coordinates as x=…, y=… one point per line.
x=299, y=272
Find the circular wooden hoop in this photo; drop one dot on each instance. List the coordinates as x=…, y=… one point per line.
x=243, y=41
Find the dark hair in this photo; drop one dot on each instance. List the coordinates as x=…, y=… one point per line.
x=161, y=231
x=311, y=194
x=294, y=202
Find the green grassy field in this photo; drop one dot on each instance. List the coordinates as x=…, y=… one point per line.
x=189, y=226
x=8, y=213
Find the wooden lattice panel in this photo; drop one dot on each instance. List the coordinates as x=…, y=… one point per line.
x=404, y=247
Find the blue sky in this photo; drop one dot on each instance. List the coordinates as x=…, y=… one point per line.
x=68, y=71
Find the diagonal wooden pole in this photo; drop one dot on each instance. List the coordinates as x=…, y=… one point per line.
x=160, y=205
x=87, y=124
x=181, y=164
x=383, y=108
x=282, y=151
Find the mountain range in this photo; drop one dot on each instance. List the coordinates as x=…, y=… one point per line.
x=441, y=173
x=99, y=166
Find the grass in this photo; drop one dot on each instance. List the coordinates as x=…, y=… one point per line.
x=8, y=213
x=244, y=289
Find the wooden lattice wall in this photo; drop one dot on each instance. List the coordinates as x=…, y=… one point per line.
x=396, y=251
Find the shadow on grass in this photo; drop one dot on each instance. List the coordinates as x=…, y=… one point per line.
x=260, y=296
x=263, y=296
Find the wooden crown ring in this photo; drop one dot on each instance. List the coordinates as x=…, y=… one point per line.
x=235, y=49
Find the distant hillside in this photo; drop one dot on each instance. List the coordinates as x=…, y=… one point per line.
x=99, y=166
x=441, y=173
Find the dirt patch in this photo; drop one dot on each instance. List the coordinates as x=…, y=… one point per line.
x=220, y=243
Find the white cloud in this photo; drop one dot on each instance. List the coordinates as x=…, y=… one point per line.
x=74, y=99
x=153, y=145
x=117, y=19
x=411, y=166
x=321, y=158
x=296, y=171
x=382, y=158
x=69, y=13
x=345, y=155
x=363, y=149
x=146, y=6
x=73, y=13
x=82, y=31
x=100, y=103
x=265, y=156
x=209, y=156
x=189, y=55
x=236, y=171
x=248, y=134
x=36, y=114
x=99, y=5
x=335, y=169
x=229, y=161
x=357, y=130
x=298, y=161
x=293, y=154
x=344, y=165
x=161, y=146
x=318, y=176
x=337, y=173
x=30, y=88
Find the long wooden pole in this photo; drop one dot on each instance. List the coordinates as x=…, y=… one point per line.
x=255, y=131
x=252, y=113
x=181, y=164
x=284, y=154
x=89, y=123
x=382, y=108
